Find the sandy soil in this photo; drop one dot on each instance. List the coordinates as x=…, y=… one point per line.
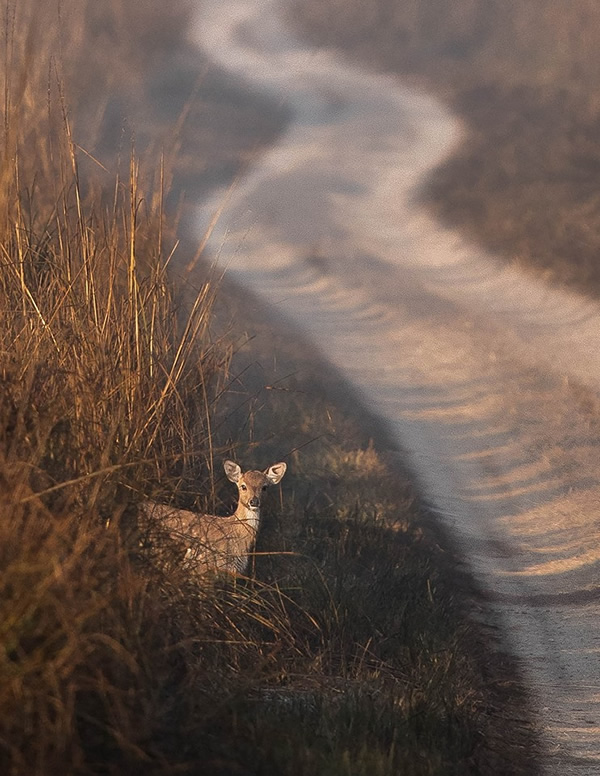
x=487, y=377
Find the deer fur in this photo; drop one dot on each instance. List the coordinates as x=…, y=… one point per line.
x=212, y=543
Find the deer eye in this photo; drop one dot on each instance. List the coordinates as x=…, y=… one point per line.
x=243, y=487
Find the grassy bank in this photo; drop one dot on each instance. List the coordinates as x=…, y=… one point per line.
x=523, y=76
x=352, y=649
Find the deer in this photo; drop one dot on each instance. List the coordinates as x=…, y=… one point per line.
x=217, y=544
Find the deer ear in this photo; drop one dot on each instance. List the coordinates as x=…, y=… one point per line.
x=275, y=473
x=232, y=470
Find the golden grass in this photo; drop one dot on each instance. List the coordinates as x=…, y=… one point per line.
x=107, y=390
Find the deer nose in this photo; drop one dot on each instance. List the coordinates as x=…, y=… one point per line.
x=254, y=501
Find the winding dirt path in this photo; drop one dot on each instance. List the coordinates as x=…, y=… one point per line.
x=488, y=378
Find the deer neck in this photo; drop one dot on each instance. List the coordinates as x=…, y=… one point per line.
x=251, y=517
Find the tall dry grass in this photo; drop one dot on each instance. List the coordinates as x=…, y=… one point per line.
x=107, y=390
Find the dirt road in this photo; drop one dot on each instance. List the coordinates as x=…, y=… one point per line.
x=488, y=378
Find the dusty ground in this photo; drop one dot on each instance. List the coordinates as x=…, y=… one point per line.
x=486, y=376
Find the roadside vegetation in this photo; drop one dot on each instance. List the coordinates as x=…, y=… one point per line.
x=523, y=77
x=353, y=649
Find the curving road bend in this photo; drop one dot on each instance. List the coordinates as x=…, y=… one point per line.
x=487, y=377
